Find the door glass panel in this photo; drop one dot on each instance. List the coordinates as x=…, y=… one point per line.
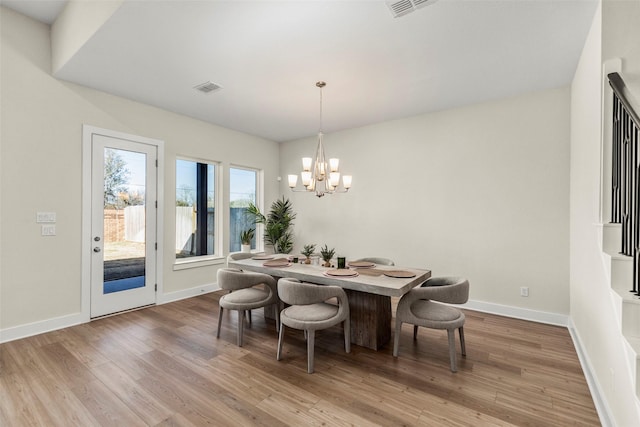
x=124, y=220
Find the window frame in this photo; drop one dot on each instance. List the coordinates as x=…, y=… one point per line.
x=259, y=240
x=218, y=253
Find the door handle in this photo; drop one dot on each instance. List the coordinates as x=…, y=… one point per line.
x=96, y=249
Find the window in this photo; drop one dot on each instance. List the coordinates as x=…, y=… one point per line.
x=195, y=208
x=243, y=185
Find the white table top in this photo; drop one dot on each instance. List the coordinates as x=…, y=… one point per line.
x=379, y=285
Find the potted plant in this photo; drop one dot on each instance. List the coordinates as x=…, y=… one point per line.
x=307, y=251
x=278, y=224
x=245, y=239
x=327, y=255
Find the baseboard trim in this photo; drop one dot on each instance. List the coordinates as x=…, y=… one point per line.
x=518, y=312
x=41, y=327
x=187, y=293
x=604, y=412
x=49, y=325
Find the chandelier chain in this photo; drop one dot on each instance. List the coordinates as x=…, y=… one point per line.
x=320, y=85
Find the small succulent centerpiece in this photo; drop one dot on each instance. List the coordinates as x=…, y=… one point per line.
x=245, y=239
x=327, y=255
x=307, y=251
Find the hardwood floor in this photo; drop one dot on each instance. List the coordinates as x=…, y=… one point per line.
x=163, y=366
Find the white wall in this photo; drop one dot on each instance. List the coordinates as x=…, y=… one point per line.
x=592, y=313
x=480, y=191
x=621, y=39
x=41, y=137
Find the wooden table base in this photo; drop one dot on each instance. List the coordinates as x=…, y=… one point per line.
x=370, y=319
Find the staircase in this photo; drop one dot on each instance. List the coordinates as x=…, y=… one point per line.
x=621, y=237
x=626, y=303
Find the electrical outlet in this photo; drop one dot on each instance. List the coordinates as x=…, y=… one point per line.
x=524, y=291
x=45, y=217
x=48, y=230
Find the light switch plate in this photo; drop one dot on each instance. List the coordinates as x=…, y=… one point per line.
x=48, y=230
x=45, y=217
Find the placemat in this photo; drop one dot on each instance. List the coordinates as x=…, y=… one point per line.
x=370, y=271
x=343, y=272
x=401, y=274
x=279, y=262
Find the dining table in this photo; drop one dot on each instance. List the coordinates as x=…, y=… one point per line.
x=369, y=288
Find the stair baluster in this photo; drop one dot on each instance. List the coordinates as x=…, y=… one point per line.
x=625, y=179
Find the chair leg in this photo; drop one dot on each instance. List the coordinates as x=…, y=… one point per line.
x=278, y=326
x=249, y=316
x=311, y=337
x=219, y=322
x=347, y=335
x=415, y=332
x=240, y=326
x=452, y=349
x=461, y=332
x=396, y=338
x=280, y=339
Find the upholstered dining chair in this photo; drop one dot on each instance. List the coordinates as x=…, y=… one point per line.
x=236, y=256
x=419, y=307
x=309, y=312
x=377, y=260
x=245, y=296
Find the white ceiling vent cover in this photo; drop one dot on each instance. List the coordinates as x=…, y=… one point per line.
x=402, y=7
x=207, y=87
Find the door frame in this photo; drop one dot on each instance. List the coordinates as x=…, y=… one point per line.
x=87, y=136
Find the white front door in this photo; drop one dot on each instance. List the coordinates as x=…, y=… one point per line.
x=123, y=224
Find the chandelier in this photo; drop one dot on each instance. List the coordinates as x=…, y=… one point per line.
x=317, y=175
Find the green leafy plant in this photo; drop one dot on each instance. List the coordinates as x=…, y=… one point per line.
x=247, y=235
x=327, y=254
x=307, y=251
x=278, y=224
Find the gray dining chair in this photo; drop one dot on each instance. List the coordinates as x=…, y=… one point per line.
x=377, y=260
x=309, y=312
x=245, y=295
x=419, y=307
x=236, y=256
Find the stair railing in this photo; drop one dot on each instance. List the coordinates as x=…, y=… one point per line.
x=625, y=179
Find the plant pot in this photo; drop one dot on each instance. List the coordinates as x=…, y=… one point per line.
x=327, y=264
x=307, y=261
x=245, y=248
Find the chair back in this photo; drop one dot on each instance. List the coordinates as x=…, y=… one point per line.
x=451, y=290
x=294, y=292
x=233, y=279
x=377, y=260
x=236, y=256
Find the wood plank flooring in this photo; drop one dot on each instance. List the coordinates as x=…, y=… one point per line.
x=163, y=366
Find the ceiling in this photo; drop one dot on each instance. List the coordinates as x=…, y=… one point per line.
x=268, y=55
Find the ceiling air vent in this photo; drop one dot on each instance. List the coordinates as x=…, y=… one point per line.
x=207, y=87
x=402, y=7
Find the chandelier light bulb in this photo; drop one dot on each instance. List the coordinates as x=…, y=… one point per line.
x=293, y=181
x=306, y=164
